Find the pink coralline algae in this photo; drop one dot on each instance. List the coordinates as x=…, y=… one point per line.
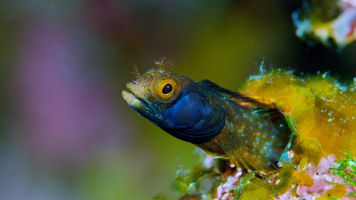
x=225, y=190
x=230, y=179
x=321, y=176
x=323, y=182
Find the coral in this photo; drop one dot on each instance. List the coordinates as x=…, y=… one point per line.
x=295, y=128
x=329, y=22
x=215, y=178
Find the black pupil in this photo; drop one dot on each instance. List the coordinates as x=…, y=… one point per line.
x=167, y=89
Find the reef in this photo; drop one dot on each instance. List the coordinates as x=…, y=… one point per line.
x=330, y=22
x=214, y=178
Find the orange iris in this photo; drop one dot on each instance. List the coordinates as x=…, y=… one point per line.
x=167, y=90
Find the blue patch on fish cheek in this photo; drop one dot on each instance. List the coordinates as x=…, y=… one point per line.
x=186, y=111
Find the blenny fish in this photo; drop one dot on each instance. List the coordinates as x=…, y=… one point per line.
x=257, y=127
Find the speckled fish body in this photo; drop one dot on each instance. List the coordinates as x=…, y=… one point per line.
x=256, y=127
x=255, y=135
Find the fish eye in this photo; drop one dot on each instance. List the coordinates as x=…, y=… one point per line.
x=167, y=90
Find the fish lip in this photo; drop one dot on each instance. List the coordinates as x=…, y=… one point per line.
x=133, y=99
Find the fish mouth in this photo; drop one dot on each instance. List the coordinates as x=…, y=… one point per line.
x=134, y=98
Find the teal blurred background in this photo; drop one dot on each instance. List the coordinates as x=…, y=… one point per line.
x=65, y=131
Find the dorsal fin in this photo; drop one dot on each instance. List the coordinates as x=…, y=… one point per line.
x=214, y=88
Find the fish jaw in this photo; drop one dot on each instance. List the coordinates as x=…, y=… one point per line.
x=132, y=100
